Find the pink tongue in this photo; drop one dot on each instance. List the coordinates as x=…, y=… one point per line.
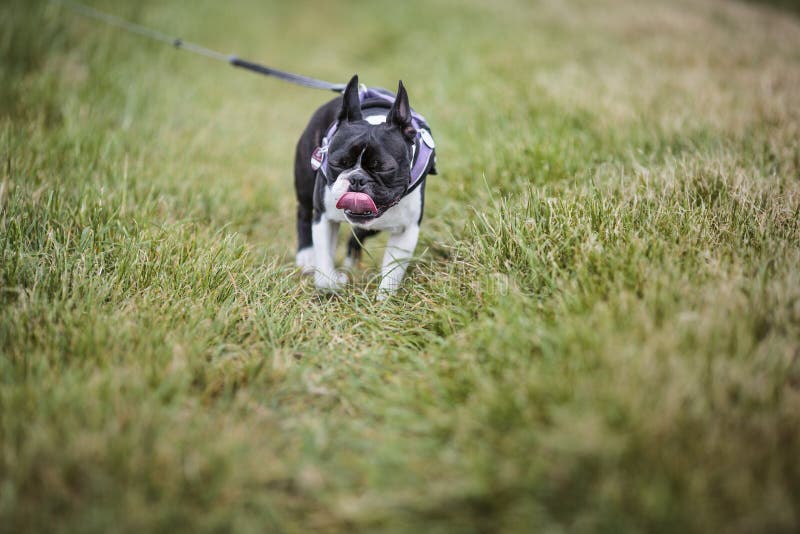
x=360, y=203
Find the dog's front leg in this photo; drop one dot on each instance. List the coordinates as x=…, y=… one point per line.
x=326, y=277
x=399, y=250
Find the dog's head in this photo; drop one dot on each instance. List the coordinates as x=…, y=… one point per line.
x=369, y=164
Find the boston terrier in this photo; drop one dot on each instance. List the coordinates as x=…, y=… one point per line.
x=362, y=159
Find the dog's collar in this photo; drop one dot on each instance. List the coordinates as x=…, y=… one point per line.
x=422, y=149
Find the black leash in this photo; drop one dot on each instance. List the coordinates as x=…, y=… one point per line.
x=156, y=35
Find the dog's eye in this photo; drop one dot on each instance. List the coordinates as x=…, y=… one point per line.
x=344, y=163
x=375, y=165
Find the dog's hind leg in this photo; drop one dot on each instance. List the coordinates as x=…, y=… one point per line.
x=305, y=248
x=356, y=245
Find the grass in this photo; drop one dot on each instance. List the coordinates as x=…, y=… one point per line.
x=601, y=331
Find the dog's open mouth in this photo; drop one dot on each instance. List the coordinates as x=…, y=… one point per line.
x=358, y=206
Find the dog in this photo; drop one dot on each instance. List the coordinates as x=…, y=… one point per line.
x=362, y=159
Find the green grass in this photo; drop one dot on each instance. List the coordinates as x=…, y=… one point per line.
x=601, y=331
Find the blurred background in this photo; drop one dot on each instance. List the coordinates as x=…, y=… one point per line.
x=562, y=83
x=600, y=333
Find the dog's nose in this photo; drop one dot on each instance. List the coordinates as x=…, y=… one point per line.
x=357, y=181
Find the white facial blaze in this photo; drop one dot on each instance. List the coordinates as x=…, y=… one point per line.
x=341, y=185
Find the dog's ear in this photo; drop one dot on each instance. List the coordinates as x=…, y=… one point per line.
x=351, y=107
x=400, y=114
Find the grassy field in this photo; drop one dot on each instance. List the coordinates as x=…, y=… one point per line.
x=601, y=331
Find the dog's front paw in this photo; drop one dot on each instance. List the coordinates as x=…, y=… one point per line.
x=331, y=281
x=385, y=291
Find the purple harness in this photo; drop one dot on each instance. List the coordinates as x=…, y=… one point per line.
x=423, y=157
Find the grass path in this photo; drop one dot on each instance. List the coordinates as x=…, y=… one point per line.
x=601, y=331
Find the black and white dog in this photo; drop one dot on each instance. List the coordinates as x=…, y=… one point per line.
x=362, y=159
